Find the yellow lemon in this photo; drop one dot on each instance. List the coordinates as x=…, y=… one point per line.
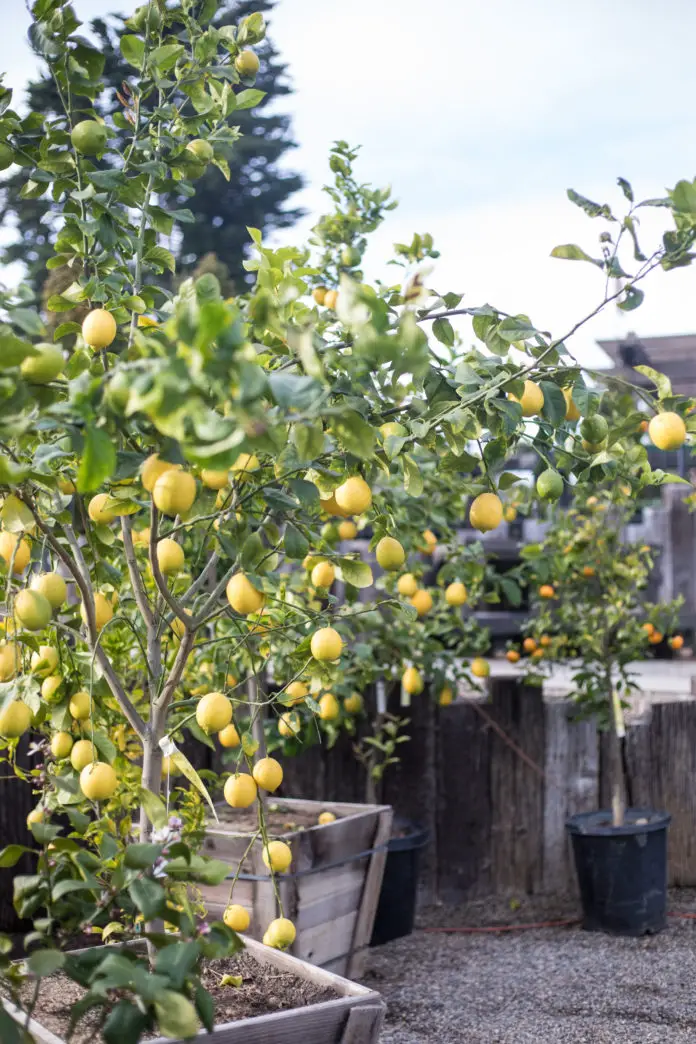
x=324, y=818
x=103, y=611
x=277, y=856
x=289, y=725
x=354, y=703
x=82, y=754
x=411, y=681
x=486, y=512
x=80, y=705
x=8, y=543
x=242, y=596
x=152, y=468
x=44, y=367
x=214, y=479
x=510, y=513
x=214, y=712
x=229, y=737
x=326, y=644
x=328, y=707
x=44, y=661
x=319, y=293
x=236, y=917
x=430, y=542
x=532, y=400
x=61, y=744
x=455, y=594
x=244, y=465
x=547, y=591
x=354, y=496
x=572, y=412
x=295, y=692
x=15, y=719
x=178, y=626
x=390, y=554
x=52, y=586
x=98, y=781
x=50, y=687
x=323, y=574
x=281, y=932
x=480, y=668
x=174, y=492
x=347, y=530
x=170, y=556
x=240, y=790
x=268, y=774
x=9, y=661
x=37, y=815
x=67, y=486
x=99, y=328
x=407, y=585
x=667, y=431
x=446, y=696
x=32, y=610
x=422, y=602
x=97, y=510
x=247, y=63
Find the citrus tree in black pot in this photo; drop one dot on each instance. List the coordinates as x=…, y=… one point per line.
x=591, y=613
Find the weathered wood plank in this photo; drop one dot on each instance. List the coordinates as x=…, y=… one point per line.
x=370, y=894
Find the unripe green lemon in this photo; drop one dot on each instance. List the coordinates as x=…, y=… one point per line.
x=89, y=137
x=32, y=610
x=247, y=63
x=44, y=367
x=549, y=485
x=594, y=429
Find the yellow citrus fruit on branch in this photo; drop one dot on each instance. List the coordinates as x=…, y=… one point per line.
x=89, y=137
x=545, y=641
x=529, y=645
x=97, y=510
x=242, y=596
x=677, y=642
x=572, y=412
x=289, y=725
x=407, y=585
x=480, y=668
x=329, y=506
x=52, y=586
x=390, y=554
x=61, y=744
x=280, y=934
x=103, y=610
x=455, y=593
x=324, y=818
x=247, y=63
x=319, y=293
x=214, y=479
x=15, y=719
x=547, y=591
x=229, y=737
x=354, y=703
x=328, y=707
x=152, y=468
x=446, y=696
x=9, y=661
x=37, y=815
x=174, y=492
x=44, y=367
x=347, y=530
x=667, y=431
x=326, y=644
x=8, y=543
x=99, y=328
x=170, y=556
x=80, y=705
x=82, y=754
x=295, y=692
x=549, y=484
x=512, y=656
x=323, y=574
x=268, y=774
x=510, y=513
x=655, y=638
x=50, y=688
x=354, y=495
x=201, y=149
x=214, y=712
x=588, y=571
x=236, y=917
x=32, y=610
x=277, y=856
x=244, y=465
x=98, y=781
x=240, y=790
x=422, y=601
x=430, y=542
x=532, y=400
x=486, y=512
x=331, y=299
x=411, y=681
x=44, y=661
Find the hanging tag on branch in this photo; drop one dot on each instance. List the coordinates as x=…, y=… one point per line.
x=170, y=750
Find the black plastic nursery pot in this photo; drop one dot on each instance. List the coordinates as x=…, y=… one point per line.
x=622, y=871
x=396, y=910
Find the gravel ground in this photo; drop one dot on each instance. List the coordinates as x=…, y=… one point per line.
x=537, y=986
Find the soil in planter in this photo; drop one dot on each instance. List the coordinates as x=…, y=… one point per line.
x=264, y=991
x=279, y=819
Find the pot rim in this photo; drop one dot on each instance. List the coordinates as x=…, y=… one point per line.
x=594, y=824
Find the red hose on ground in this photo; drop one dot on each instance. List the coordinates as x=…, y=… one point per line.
x=522, y=927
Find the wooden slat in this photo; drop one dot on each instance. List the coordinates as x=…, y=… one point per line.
x=370, y=896
x=364, y=1024
x=326, y=941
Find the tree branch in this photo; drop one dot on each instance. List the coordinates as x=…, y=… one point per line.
x=165, y=698
x=161, y=584
x=134, y=573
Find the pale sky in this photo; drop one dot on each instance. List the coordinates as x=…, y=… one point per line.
x=480, y=116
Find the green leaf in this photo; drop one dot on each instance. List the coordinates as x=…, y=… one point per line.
x=516, y=328
x=554, y=408
x=125, y=1022
x=176, y=1015
x=98, y=460
x=252, y=551
x=355, y=572
x=149, y=897
x=625, y=187
x=10, y=1031
x=45, y=962
x=413, y=480
x=444, y=331
x=591, y=209
x=248, y=99
x=295, y=544
x=74, y=885
x=13, y=350
x=205, y=1008
x=683, y=197
x=660, y=380
x=11, y=855
x=249, y=744
x=178, y=960
x=140, y=856
x=571, y=252
x=154, y=808
x=133, y=50
x=633, y=298
x=161, y=259
x=508, y=479
x=354, y=434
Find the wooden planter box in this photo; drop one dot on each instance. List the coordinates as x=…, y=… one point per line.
x=331, y=889
x=355, y=1017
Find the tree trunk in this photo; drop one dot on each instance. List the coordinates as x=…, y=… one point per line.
x=618, y=786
